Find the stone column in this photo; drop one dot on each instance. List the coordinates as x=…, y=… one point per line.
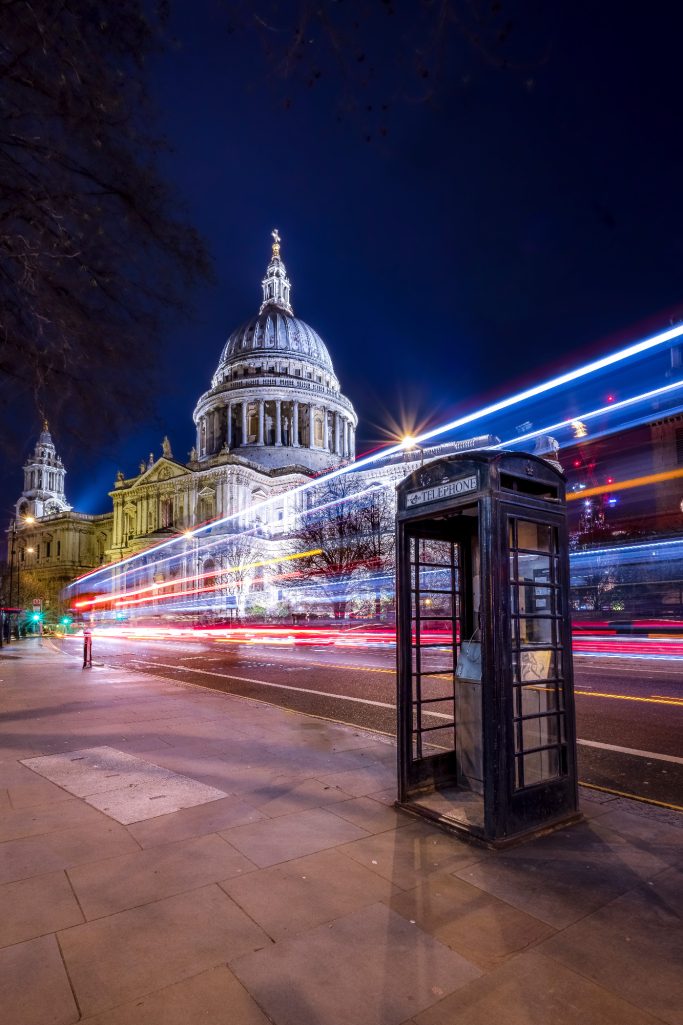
x=326, y=431
x=311, y=425
x=228, y=436
x=295, y=423
x=261, y=417
x=352, y=441
x=278, y=421
x=337, y=433
x=244, y=422
x=345, y=437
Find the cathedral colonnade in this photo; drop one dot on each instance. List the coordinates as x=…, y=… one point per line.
x=276, y=422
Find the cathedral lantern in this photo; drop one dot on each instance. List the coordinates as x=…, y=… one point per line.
x=486, y=723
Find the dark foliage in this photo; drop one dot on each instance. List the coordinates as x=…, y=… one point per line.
x=92, y=252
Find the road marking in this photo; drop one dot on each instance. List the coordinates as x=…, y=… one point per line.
x=631, y=797
x=277, y=686
x=629, y=697
x=632, y=751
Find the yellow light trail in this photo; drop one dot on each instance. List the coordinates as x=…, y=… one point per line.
x=154, y=589
x=624, y=485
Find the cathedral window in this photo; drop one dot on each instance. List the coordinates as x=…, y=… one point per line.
x=209, y=578
x=166, y=512
x=59, y=549
x=48, y=549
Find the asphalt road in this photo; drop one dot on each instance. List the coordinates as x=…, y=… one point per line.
x=629, y=711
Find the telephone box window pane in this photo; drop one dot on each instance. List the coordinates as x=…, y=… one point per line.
x=535, y=599
x=436, y=551
x=537, y=537
x=541, y=731
x=533, y=569
x=535, y=699
x=538, y=664
x=536, y=630
x=540, y=766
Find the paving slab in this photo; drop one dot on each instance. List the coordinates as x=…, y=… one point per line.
x=633, y=946
x=291, y=836
x=485, y=930
x=405, y=856
x=215, y=997
x=371, y=815
x=114, y=884
x=370, y=967
x=35, y=855
x=134, y=953
x=533, y=990
x=36, y=906
x=286, y=798
x=197, y=821
x=25, y=822
x=36, y=794
x=560, y=879
x=34, y=988
x=301, y=894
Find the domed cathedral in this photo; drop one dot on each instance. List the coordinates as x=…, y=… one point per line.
x=275, y=398
x=273, y=418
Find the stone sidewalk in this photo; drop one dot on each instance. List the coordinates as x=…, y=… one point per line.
x=271, y=879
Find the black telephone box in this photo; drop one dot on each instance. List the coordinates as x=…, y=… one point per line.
x=486, y=721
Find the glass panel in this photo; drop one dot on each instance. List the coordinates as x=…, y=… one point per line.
x=436, y=551
x=536, y=536
x=538, y=664
x=436, y=741
x=534, y=599
x=540, y=766
x=535, y=698
x=536, y=631
x=533, y=569
x=435, y=605
x=435, y=579
x=540, y=732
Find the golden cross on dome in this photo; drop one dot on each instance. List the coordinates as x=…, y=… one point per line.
x=276, y=241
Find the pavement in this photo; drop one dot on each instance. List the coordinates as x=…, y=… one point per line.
x=171, y=854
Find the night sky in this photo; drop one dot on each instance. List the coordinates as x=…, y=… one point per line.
x=517, y=221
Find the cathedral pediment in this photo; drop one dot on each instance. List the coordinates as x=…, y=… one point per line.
x=164, y=469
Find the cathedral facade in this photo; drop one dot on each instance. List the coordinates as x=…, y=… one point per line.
x=273, y=417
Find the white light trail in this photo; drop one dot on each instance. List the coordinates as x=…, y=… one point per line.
x=656, y=341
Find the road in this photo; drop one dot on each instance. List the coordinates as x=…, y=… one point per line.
x=629, y=711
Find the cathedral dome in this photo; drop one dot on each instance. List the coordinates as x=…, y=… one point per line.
x=274, y=332
x=275, y=397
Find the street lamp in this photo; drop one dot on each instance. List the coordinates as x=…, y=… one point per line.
x=409, y=444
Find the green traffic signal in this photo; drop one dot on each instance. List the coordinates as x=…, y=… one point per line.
x=37, y=616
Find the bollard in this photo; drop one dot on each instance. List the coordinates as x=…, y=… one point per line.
x=87, y=648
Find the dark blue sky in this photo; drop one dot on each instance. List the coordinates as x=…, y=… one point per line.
x=517, y=222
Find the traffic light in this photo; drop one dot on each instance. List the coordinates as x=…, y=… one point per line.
x=37, y=617
x=66, y=621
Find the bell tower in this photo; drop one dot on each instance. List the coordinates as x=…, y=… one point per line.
x=44, y=474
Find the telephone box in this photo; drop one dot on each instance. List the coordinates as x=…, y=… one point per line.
x=486, y=721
